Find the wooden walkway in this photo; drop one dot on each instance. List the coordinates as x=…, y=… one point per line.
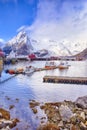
x=65, y=79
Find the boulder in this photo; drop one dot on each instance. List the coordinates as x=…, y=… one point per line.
x=81, y=102
x=65, y=112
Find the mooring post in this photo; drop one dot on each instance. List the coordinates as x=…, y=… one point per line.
x=1, y=65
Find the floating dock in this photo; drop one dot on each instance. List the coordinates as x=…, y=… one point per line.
x=65, y=79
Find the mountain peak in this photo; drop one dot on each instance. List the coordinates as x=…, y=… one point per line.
x=20, y=44
x=23, y=44
x=21, y=34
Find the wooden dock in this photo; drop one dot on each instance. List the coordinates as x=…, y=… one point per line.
x=65, y=79
x=42, y=69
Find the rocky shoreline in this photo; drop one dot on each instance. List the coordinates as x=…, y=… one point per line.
x=6, y=123
x=66, y=115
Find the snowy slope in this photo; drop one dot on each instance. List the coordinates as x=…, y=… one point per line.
x=20, y=44
x=23, y=44
x=61, y=48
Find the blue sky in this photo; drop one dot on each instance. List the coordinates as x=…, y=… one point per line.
x=15, y=13
x=44, y=19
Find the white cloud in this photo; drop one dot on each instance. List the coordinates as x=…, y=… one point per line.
x=1, y=40
x=59, y=20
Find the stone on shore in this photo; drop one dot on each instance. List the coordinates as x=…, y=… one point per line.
x=82, y=102
x=65, y=112
x=5, y=122
x=66, y=115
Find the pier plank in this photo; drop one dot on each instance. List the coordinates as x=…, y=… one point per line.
x=65, y=79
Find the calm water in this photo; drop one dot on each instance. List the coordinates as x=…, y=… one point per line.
x=30, y=87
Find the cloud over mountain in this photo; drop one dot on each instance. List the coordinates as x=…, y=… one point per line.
x=60, y=19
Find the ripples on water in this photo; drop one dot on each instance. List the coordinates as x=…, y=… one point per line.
x=30, y=87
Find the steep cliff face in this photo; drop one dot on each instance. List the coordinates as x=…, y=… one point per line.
x=20, y=44
x=82, y=54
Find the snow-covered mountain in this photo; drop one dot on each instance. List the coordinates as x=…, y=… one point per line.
x=23, y=44
x=60, y=48
x=20, y=44
x=66, y=48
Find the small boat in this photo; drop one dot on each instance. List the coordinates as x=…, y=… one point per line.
x=15, y=71
x=29, y=70
x=63, y=65
x=50, y=65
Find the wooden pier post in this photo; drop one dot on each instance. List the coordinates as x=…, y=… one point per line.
x=65, y=79
x=1, y=65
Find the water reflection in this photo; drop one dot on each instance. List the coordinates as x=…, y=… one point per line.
x=34, y=85
x=26, y=88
